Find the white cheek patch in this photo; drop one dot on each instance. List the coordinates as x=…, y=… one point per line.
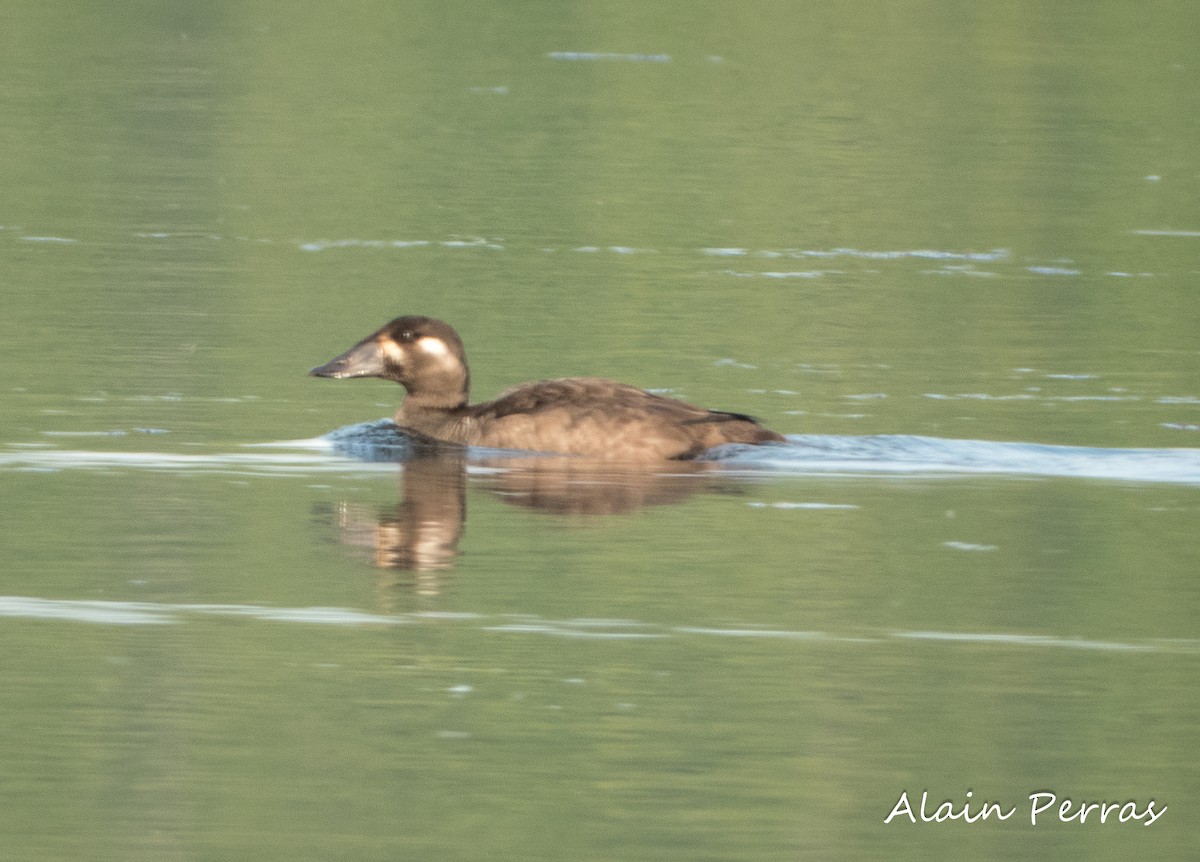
x=393, y=351
x=433, y=346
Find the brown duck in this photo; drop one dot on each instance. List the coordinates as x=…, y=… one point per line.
x=573, y=415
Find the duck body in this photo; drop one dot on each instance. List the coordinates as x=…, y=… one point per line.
x=587, y=416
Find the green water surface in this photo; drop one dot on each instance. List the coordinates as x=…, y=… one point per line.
x=960, y=221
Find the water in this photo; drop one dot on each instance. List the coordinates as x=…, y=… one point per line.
x=951, y=255
x=372, y=447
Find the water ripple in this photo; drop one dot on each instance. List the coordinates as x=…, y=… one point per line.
x=862, y=254
x=154, y=613
x=473, y=242
x=591, y=56
x=803, y=454
x=914, y=455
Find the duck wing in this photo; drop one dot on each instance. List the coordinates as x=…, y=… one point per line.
x=593, y=416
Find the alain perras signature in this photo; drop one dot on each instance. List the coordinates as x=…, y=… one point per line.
x=1043, y=803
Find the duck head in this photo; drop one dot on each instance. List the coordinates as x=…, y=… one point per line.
x=422, y=354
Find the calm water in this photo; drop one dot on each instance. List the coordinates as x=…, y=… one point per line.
x=951, y=252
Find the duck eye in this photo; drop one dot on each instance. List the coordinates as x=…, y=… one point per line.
x=406, y=336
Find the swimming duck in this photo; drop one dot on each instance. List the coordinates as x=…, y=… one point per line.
x=573, y=415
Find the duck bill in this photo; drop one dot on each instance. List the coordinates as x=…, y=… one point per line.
x=364, y=359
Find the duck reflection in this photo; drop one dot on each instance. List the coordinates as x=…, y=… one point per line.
x=420, y=534
x=578, y=486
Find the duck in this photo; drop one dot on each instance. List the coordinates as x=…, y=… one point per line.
x=586, y=416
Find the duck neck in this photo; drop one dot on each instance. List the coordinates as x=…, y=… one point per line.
x=415, y=403
x=446, y=392
x=439, y=418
